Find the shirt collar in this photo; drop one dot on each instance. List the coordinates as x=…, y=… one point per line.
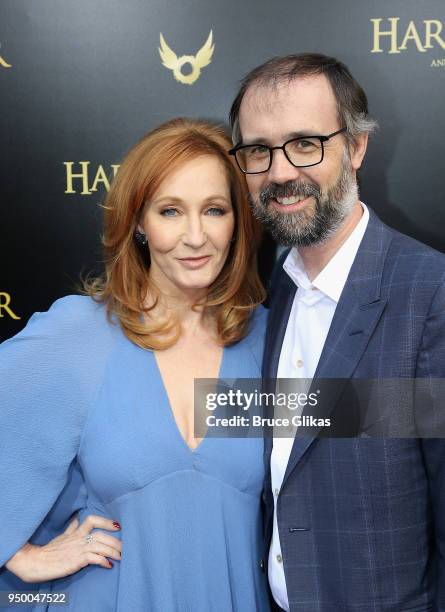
x=331, y=280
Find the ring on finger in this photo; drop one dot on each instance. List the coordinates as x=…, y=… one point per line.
x=89, y=538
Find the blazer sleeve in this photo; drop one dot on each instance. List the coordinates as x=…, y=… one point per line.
x=431, y=364
x=48, y=376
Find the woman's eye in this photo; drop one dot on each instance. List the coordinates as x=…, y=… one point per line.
x=169, y=212
x=215, y=211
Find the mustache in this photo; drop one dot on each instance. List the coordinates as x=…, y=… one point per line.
x=287, y=190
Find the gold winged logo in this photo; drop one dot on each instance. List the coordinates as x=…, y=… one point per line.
x=3, y=62
x=196, y=62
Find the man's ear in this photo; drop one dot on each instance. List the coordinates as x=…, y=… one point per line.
x=357, y=150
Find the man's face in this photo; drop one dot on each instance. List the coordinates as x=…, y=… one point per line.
x=301, y=206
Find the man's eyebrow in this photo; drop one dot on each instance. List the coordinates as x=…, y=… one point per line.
x=290, y=136
x=259, y=140
x=302, y=133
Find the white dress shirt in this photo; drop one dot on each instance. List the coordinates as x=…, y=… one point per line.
x=311, y=315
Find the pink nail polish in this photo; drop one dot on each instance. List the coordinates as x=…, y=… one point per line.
x=116, y=524
x=109, y=563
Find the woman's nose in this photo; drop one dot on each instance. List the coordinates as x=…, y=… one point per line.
x=195, y=235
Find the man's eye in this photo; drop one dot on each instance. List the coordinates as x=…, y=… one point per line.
x=169, y=212
x=307, y=144
x=257, y=150
x=215, y=211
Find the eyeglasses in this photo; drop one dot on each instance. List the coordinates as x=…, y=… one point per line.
x=301, y=152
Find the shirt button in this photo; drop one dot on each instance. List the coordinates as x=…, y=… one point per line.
x=299, y=363
x=279, y=559
x=276, y=491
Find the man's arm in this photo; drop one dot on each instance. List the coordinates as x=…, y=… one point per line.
x=431, y=364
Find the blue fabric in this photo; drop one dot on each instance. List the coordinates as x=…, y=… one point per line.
x=86, y=426
x=369, y=513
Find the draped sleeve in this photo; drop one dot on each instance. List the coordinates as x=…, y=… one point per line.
x=50, y=373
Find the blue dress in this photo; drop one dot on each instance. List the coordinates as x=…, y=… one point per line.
x=86, y=426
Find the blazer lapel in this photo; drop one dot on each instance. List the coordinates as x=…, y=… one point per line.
x=277, y=324
x=278, y=318
x=358, y=312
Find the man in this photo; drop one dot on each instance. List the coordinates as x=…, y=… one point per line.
x=352, y=524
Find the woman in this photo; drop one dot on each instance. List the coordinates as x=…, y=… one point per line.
x=97, y=398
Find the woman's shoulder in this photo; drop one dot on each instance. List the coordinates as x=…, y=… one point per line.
x=257, y=333
x=75, y=308
x=258, y=321
x=72, y=315
x=61, y=355
x=74, y=330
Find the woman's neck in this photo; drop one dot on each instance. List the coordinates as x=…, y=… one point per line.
x=178, y=305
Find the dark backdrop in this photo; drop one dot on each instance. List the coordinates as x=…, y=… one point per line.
x=82, y=80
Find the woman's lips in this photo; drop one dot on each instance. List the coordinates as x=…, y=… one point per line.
x=193, y=263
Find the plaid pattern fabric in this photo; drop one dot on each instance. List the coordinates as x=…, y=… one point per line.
x=362, y=521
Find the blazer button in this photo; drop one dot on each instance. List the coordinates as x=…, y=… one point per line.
x=262, y=564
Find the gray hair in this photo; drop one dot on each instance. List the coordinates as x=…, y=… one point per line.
x=352, y=103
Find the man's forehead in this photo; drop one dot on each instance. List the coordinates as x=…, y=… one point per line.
x=280, y=105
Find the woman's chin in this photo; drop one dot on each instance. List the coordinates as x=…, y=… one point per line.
x=198, y=285
x=196, y=282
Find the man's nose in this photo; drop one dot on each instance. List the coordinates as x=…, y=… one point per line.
x=281, y=170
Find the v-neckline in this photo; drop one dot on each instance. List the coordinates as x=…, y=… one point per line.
x=172, y=418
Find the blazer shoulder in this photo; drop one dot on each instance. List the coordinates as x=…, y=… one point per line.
x=416, y=256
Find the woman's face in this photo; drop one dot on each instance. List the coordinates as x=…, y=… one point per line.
x=189, y=222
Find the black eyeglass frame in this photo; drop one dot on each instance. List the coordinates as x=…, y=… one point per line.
x=322, y=140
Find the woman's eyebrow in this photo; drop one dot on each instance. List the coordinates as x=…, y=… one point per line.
x=166, y=198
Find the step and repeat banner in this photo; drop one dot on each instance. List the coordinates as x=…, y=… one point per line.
x=82, y=80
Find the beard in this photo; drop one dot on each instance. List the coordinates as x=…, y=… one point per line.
x=311, y=225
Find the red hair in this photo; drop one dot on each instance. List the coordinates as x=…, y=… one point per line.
x=236, y=291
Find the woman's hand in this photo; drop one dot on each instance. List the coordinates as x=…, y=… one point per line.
x=68, y=552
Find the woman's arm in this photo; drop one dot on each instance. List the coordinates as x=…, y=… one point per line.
x=49, y=375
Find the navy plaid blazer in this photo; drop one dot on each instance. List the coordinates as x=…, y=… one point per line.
x=361, y=520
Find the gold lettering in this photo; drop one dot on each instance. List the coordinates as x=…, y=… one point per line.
x=429, y=34
x=392, y=33
x=83, y=175
x=100, y=177
x=115, y=168
x=5, y=306
x=411, y=34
